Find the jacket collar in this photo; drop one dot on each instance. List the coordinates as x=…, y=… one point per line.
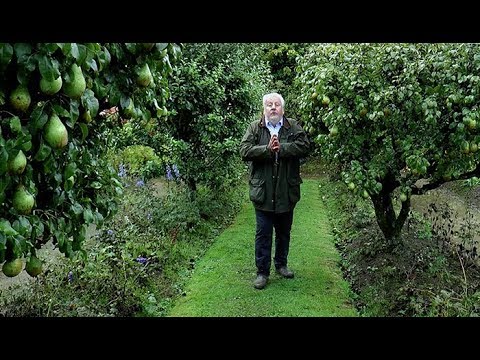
x=262, y=123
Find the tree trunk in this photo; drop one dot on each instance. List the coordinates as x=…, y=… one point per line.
x=192, y=187
x=389, y=223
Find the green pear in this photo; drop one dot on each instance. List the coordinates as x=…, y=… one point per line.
x=20, y=98
x=51, y=87
x=23, y=201
x=148, y=46
x=33, y=266
x=55, y=133
x=144, y=76
x=17, y=164
x=13, y=267
x=76, y=84
x=87, y=116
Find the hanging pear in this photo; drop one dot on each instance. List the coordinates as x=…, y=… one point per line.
x=55, y=133
x=17, y=165
x=76, y=84
x=51, y=87
x=144, y=75
x=23, y=201
x=20, y=98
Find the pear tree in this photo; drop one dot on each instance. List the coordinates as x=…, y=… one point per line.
x=400, y=119
x=54, y=181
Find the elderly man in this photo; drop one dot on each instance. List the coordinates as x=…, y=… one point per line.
x=273, y=145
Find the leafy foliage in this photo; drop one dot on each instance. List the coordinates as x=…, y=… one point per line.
x=137, y=262
x=393, y=114
x=72, y=84
x=215, y=90
x=282, y=59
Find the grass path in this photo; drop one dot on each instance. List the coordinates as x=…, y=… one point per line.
x=221, y=285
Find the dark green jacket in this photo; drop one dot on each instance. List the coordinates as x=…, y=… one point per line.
x=294, y=145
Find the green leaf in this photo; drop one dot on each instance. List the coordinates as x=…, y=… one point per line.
x=3, y=162
x=52, y=47
x=82, y=53
x=99, y=89
x=90, y=102
x=4, y=183
x=38, y=120
x=77, y=208
x=103, y=58
x=22, y=49
x=92, y=64
x=124, y=101
x=74, y=112
x=3, y=242
x=31, y=63
x=74, y=51
x=95, y=185
x=43, y=152
x=161, y=46
x=48, y=68
x=60, y=111
x=88, y=216
x=82, y=233
x=23, y=226
x=131, y=47
x=84, y=129
x=66, y=48
x=6, y=52
x=15, y=124
x=6, y=228
x=26, y=146
x=70, y=170
x=114, y=96
x=98, y=218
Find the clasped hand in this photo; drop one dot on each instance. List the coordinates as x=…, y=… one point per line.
x=274, y=144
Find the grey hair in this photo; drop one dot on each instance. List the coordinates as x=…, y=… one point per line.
x=267, y=96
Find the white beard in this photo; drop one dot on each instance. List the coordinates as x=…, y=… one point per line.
x=274, y=119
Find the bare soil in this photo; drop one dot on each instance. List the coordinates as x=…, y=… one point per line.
x=463, y=206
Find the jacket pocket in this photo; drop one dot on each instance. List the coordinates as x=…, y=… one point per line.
x=294, y=189
x=257, y=190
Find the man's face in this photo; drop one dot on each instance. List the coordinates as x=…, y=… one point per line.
x=272, y=109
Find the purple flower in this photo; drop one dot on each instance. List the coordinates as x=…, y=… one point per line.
x=110, y=232
x=70, y=276
x=169, y=173
x=121, y=171
x=141, y=260
x=140, y=183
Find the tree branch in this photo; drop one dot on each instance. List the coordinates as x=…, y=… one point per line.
x=433, y=185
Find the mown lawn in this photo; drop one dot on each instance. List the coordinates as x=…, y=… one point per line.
x=221, y=285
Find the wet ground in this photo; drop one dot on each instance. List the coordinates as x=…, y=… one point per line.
x=461, y=204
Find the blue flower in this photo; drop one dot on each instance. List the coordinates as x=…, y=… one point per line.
x=70, y=276
x=110, y=232
x=149, y=216
x=141, y=260
x=175, y=171
x=169, y=173
x=140, y=183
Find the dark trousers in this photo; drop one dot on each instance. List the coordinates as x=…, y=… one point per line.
x=266, y=221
